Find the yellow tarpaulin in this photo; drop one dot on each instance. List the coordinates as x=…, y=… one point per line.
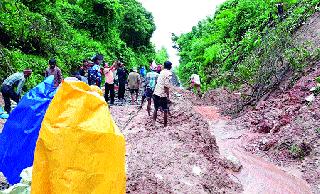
x=80, y=149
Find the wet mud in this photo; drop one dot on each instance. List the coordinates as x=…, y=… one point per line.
x=254, y=173
x=180, y=158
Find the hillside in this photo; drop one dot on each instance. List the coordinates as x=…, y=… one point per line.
x=32, y=32
x=245, y=43
x=283, y=127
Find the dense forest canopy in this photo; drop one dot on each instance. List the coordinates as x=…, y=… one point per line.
x=32, y=31
x=222, y=49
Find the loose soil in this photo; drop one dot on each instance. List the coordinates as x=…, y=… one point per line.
x=181, y=158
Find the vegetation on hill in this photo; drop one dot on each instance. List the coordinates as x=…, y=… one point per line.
x=32, y=31
x=246, y=42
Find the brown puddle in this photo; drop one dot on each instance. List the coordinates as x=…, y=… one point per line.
x=256, y=175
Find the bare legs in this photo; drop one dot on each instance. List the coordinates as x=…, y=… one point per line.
x=165, y=117
x=149, y=106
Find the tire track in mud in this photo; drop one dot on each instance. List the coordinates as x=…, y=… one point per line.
x=256, y=175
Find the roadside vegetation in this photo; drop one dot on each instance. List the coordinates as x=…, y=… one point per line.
x=71, y=30
x=247, y=43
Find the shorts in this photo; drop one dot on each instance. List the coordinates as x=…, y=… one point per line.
x=132, y=91
x=148, y=92
x=160, y=102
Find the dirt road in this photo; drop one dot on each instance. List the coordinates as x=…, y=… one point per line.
x=181, y=158
x=191, y=155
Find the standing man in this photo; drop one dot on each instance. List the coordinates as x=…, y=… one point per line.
x=122, y=78
x=161, y=92
x=55, y=71
x=7, y=88
x=134, y=85
x=94, y=77
x=150, y=84
x=109, y=84
x=195, y=83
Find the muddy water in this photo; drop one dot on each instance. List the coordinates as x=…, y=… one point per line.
x=256, y=175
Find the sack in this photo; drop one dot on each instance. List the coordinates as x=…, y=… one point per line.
x=20, y=133
x=80, y=149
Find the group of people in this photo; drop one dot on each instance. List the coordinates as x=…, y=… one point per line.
x=115, y=75
x=17, y=80
x=155, y=83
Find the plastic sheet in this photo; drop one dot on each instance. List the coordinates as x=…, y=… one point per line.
x=24, y=187
x=20, y=133
x=80, y=149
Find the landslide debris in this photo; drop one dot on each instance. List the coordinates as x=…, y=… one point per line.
x=181, y=158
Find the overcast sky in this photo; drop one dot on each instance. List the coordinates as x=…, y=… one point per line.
x=177, y=16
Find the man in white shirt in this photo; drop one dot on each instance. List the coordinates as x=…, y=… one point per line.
x=161, y=92
x=195, y=83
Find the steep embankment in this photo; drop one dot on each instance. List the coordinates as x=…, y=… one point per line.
x=283, y=127
x=244, y=42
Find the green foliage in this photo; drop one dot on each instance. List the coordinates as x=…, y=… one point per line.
x=230, y=48
x=70, y=30
x=300, y=151
x=161, y=56
x=295, y=149
x=316, y=91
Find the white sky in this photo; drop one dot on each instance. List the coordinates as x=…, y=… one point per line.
x=177, y=16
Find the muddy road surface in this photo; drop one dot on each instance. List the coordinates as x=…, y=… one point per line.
x=256, y=174
x=180, y=158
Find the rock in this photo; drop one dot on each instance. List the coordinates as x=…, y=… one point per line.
x=284, y=120
x=265, y=126
x=265, y=144
x=310, y=98
x=232, y=163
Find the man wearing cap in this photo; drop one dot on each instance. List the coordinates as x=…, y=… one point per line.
x=55, y=71
x=7, y=88
x=134, y=85
x=150, y=84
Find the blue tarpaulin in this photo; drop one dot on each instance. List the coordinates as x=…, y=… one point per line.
x=20, y=133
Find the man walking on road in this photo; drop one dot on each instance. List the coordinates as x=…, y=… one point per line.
x=7, y=88
x=134, y=81
x=161, y=92
x=150, y=84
